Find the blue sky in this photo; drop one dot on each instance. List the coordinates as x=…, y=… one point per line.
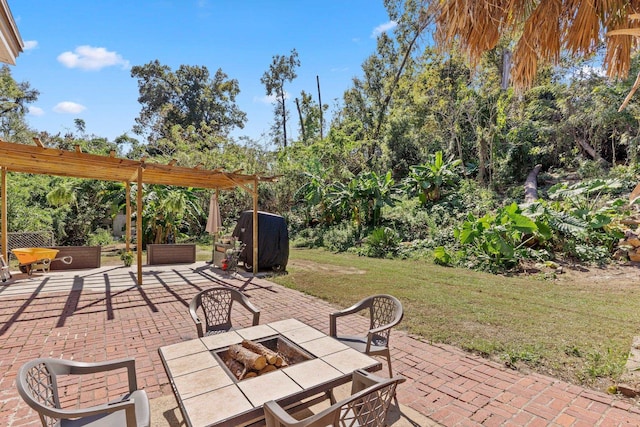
x=78, y=54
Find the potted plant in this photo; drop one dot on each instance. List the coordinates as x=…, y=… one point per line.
x=127, y=258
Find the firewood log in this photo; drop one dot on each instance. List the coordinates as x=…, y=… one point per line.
x=236, y=368
x=250, y=374
x=268, y=368
x=258, y=348
x=248, y=358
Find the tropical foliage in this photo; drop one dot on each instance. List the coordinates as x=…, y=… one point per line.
x=424, y=156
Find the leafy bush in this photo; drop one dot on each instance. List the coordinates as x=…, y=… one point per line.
x=341, y=237
x=100, y=237
x=381, y=243
x=307, y=238
x=497, y=241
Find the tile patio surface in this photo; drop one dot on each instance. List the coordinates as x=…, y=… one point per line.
x=101, y=314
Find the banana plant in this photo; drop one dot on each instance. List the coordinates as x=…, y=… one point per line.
x=428, y=180
x=495, y=239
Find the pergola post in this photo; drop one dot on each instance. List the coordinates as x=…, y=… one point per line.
x=139, y=225
x=127, y=234
x=5, y=237
x=255, y=225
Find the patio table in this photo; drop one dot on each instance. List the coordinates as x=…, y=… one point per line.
x=208, y=395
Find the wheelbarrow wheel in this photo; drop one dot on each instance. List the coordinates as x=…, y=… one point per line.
x=23, y=268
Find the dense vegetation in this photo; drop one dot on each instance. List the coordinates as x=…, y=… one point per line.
x=425, y=157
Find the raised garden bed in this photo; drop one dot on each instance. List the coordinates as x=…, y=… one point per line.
x=171, y=254
x=83, y=257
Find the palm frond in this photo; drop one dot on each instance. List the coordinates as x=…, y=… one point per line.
x=540, y=30
x=567, y=224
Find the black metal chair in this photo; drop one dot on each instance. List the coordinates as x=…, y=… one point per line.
x=37, y=384
x=385, y=312
x=216, y=304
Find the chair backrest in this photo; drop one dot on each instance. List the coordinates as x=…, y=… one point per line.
x=369, y=407
x=216, y=304
x=366, y=407
x=38, y=387
x=385, y=310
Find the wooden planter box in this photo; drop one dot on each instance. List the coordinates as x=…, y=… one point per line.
x=83, y=257
x=171, y=254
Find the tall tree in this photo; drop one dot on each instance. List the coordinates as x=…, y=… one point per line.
x=14, y=100
x=310, y=117
x=187, y=97
x=282, y=70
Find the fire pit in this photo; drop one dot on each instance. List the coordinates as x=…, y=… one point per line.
x=254, y=358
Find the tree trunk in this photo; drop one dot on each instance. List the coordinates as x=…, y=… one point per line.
x=284, y=118
x=531, y=185
x=482, y=160
x=304, y=138
x=506, y=69
x=591, y=151
x=385, y=103
x=320, y=105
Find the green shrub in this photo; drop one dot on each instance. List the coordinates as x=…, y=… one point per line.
x=100, y=237
x=307, y=238
x=341, y=237
x=381, y=243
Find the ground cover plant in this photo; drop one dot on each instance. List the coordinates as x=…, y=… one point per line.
x=575, y=330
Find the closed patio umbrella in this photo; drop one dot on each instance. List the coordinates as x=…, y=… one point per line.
x=214, y=221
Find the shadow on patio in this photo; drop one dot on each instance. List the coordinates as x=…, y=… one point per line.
x=101, y=314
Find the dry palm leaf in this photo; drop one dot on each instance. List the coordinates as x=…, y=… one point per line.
x=540, y=29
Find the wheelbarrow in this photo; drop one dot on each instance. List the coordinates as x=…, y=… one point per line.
x=37, y=259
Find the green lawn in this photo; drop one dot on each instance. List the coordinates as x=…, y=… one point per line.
x=575, y=331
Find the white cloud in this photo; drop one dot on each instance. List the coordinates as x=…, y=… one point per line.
x=68, y=107
x=92, y=58
x=36, y=111
x=269, y=99
x=30, y=44
x=383, y=28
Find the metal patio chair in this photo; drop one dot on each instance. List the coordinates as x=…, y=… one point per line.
x=216, y=304
x=37, y=384
x=366, y=407
x=385, y=312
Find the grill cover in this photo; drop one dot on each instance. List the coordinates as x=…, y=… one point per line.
x=273, y=240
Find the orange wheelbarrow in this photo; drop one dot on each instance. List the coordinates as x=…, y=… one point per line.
x=32, y=259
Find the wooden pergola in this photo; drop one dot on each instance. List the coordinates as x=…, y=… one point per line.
x=38, y=159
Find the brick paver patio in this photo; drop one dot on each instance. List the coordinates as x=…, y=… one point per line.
x=100, y=314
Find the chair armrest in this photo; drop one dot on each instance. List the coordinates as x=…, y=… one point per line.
x=193, y=307
x=362, y=379
x=397, y=319
x=80, y=368
x=359, y=306
x=124, y=405
x=244, y=301
x=281, y=418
